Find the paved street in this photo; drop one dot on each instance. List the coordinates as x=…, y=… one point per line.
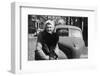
x=31, y=47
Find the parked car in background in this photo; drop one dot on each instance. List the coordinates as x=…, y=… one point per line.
x=71, y=41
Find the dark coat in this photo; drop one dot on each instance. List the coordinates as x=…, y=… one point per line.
x=48, y=42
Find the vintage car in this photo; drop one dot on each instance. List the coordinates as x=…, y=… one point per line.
x=71, y=41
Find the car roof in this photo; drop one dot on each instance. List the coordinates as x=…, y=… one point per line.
x=68, y=26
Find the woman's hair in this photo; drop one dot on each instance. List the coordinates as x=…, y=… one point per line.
x=49, y=22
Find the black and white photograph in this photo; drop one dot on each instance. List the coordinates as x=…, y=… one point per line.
x=50, y=38
x=53, y=37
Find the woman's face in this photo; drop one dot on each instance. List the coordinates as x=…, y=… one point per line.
x=49, y=28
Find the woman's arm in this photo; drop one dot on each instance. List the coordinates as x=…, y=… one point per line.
x=40, y=51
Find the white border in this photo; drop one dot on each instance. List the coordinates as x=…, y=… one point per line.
x=19, y=63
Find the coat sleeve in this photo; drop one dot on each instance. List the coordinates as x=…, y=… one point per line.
x=40, y=53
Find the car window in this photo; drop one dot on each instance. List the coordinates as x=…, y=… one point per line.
x=63, y=32
x=75, y=33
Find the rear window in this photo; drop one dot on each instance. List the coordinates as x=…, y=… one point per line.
x=69, y=32
x=75, y=33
